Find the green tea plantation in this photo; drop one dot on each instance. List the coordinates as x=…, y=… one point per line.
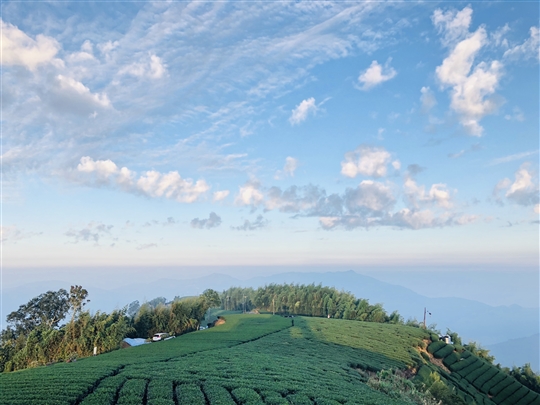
x=264, y=359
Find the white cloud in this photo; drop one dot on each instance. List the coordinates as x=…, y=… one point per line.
x=367, y=161
x=524, y=191
x=296, y=199
x=18, y=49
x=369, y=195
x=152, y=183
x=428, y=99
x=528, y=49
x=376, y=74
x=154, y=68
x=454, y=25
x=470, y=87
x=291, y=164
x=303, y=110
x=70, y=95
x=220, y=195
x=537, y=209
x=213, y=221
x=171, y=185
x=517, y=115
x=108, y=46
x=416, y=195
x=250, y=194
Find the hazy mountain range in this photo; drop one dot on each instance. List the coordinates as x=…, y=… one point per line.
x=510, y=332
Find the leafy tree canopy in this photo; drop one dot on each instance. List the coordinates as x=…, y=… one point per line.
x=45, y=310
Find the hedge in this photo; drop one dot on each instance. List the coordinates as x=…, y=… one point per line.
x=190, y=394
x=516, y=397
x=451, y=359
x=444, y=351
x=501, y=396
x=508, y=381
x=435, y=346
x=493, y=382
x=472, y=368
x=483, y=369
x=483, y=378
x=531, y=398
x=463, y=363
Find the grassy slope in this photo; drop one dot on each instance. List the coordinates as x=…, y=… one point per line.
x=257, y=359
x=252, y=359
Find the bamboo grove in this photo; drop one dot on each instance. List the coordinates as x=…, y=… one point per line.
x=308, y=300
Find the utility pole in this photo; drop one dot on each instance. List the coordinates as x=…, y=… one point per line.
x=273, y=307
x=227, y=307
x=425, y=312
x=244, y=304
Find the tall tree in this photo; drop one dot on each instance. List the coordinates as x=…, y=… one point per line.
x=46, y=310
x=77, y=300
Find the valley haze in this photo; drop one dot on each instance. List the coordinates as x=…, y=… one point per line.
x=509, y=331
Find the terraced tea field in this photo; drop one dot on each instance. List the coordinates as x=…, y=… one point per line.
x=251, y=359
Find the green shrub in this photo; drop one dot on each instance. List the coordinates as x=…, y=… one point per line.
x=444, y=351
x=506, y=392
x=514, y=399
x=464, y=362
x=475, y=365
x=217, y=395
x=472, y=376
x=425, y=356
x=435, y=346
x=190, y=394
x=507, y=382
x=530, y=399
x=246, y=396
x=451, y=359
x=498, y=378
x=485, y=377
x=299, y=399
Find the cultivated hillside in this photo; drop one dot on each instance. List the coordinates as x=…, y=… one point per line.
x=258, y=359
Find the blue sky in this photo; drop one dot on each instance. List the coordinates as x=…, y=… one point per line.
x=333, y=134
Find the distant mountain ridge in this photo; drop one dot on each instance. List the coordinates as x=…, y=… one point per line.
x=473, y=320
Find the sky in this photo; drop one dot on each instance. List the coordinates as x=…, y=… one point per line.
x=238, y=135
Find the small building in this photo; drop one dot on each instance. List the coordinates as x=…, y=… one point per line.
x=445, y=339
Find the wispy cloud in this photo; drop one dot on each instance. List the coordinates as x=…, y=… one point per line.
x=92, y=232
x=513, y=157
x=259, y=223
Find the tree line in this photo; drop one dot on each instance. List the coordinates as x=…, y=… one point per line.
x=309, y=300
x=36, y=334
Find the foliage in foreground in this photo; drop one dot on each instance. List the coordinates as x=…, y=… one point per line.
x=394, y=384
x=34, y=337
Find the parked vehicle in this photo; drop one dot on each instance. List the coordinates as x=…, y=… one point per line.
x=160, y=336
